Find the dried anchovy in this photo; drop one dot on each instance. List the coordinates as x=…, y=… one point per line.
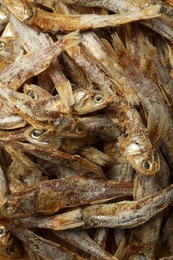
x=86, y=149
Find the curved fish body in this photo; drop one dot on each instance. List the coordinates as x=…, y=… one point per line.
x=79, y=164
x=46, y=249
x=144, y=239
x=125, y=214
x=114, y=6
x=33, y=42
x=135, y=143
x=54, y=22
x=86, y=101
x=84, y=190
x=80, y=239
x=34, y=63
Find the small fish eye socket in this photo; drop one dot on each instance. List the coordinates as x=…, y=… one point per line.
x=147, y=165
x=2, y=231
x=8, y=208
x=2, y=45
x=36, y=133
x=98, y=98
x=90, y=174
x=32, y=95
x=57, y=122
x=25, y=181
x=28, y=12
x=79, y=129
x=12, y=249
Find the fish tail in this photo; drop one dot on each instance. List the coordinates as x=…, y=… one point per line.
x=68, y=220
x=72, y=40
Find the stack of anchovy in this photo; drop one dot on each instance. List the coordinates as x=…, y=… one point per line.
x=86, y=129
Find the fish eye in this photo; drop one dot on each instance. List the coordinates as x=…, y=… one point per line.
x=2, y=45
x=79, y=129
x=155, y=156
x=57, y=122
x=8, y=208
x=147, y=165
x=32, y=95
x=90, y=174
x=98, y=98
x=28, y=12
x=2, y=231
x=26, y=181
x=12, y=249
x=36, y=133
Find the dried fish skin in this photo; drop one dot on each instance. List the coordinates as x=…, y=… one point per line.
x=43, y=247
x=120, y=214
x=32, y=64
x=135, y=143
x=59, y=192
x=114, y=6
x=53, y=22
x=125, y=214
x=81, y=239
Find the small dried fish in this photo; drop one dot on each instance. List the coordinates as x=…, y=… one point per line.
x=46, y=249
x=125, y=214
x=32, y=64
x=54, y=22
x=84, y=190
x=81, y=239
x=135, y=144
x=79, y=164
x=27, y=34
x=114, y=6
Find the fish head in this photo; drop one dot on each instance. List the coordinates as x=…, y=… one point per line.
x=17, y=206
x=70, y=127
x=20, y=9
x=36, y=136
x=12, y=249
x=141, y=155
x=10, y=48
x=88, y=101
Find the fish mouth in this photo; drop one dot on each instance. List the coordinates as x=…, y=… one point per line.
x=22, y=10
x=144, y=166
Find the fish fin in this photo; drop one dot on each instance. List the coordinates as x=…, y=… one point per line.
x=131, y=97
x=71, y=40
x=71, y=219
x=108, y=47
x=118, y=44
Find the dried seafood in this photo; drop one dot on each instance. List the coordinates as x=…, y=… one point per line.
x=86, y=119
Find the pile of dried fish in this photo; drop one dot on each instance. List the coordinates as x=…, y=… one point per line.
x=86, y=120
